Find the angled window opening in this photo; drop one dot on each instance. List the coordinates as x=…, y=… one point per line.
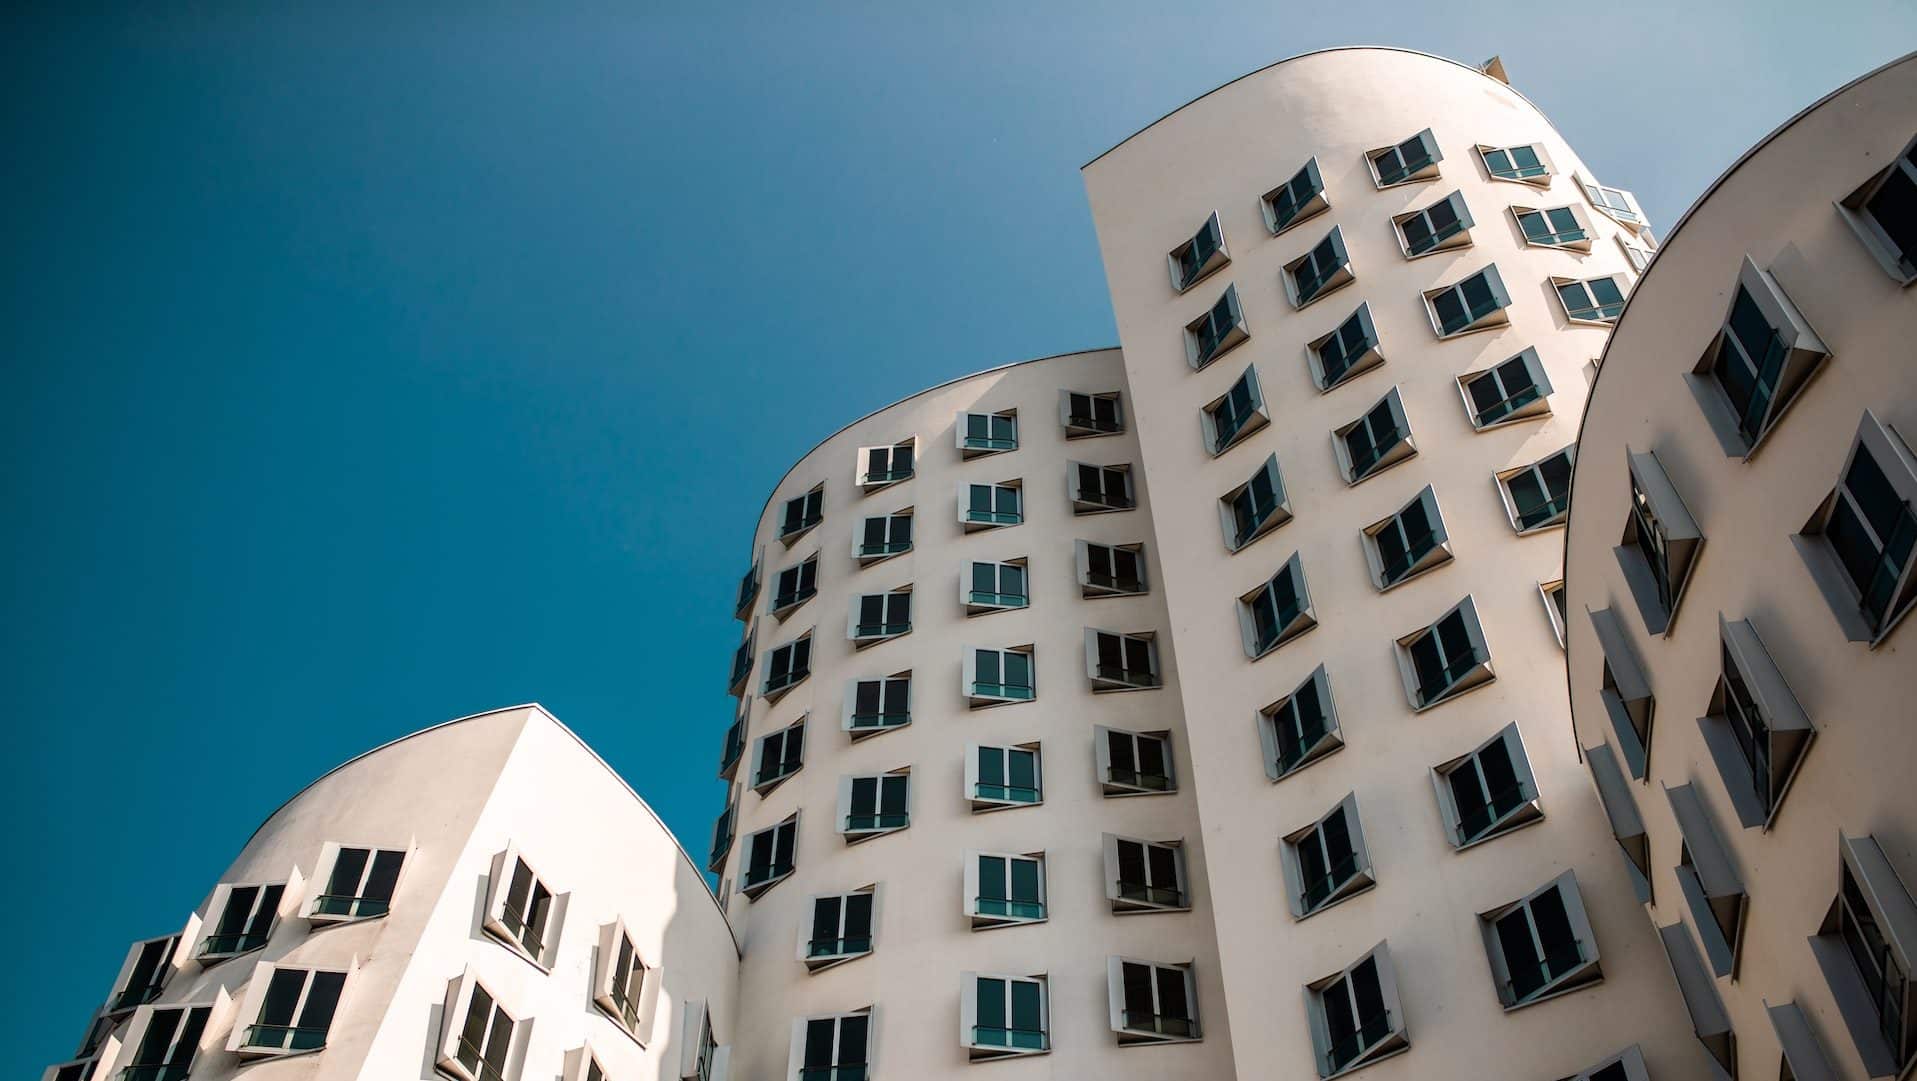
x=1761, y=359
x=1327, y=862
x=1563, y=227
x=1660, y=545
x=1858, y=544
x=1408, y=543
x=1231, y=417
x=523, y=911
x=1513, y=390
x=982, y=434
x=882, y=537
x=875, y=804
x=1296, y=200
x=991, y=506
x=1625, y=692
x=149, y=965
x=1345, y=353
x=1255, y=507
x=1443, y=226
x=749, y=588
x=354, y=883
x=1122, y=662
x=1096, y=489
x=1277, y=611
x=1088, y=415
x=1864, y=950
x=1216, y=332
x=997, y=676
x=878, y=705
x=802, y=512
x=996, y=587
x=478, y=1036
x=1489, y=792
x=794, y=586
x=1638, y=255
x=1445, y=659
x=733, y=749
x=1883, y=213
x=1619, y=204
x=840, y=929
x=1152, y=1002
x=786, y=667
x=1413, y=160
x=1300, y=728
x=1376, y=441
x=625, y=988
x=1477, y=302
x=835, y=1048
x=1200, y=257
x=1133, y=763
x=1145, y=876
x=1527, y=163
x=1003, y=1016
x=164, y=1041
x=724, y=830
x=701, y=1056
x=1756, y=731
x=1110, y=570
x=1626, y=1065
x=1538, y=496
x=882, y=467
x=1708, y=878
x=1597, y=301
x=1355, y=1016
x=1552, y=594
x=997, y=778
x=1541, y=946
x=1620, y=811
x=1709, y=1022
x=1319, y=272
x=240, y=919
x=769, y=857
x=742, y=662
x=778, y=755
x=1004, y=889
x=1801, y=1053
x=876, y=617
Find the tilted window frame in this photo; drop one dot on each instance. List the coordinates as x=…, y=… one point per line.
x=891, y=547
x=1085, y=427
x=1557, y=239
x=1679, y=538
x=1536, y=180
x=860, y=834
x=866, y=480
x=1217, y=441
x=969, y=682
x=889, y=628
x=983, y=804
x=1401, y=450
x=1458, y=238
x=1585, y=973
x=1368, y=358
x=978, y=919
x=1789, y=730
x=764, y=785
x=1621, y=814
x=1219, y=258
x=1280, y=511
x=1528, y=810
x=968, y=450
x=1625, y=692
x=1313, y=205
x=1361, y=878
x=1893, y=458
x=1479, y=674
x=1498, y=316
x=968, y=597
x=1804, y=357
x=1181, y=876
x=1330, y=741
x=978, y=1050
x=1200, y=356
x=1088, y=589
x=1303, y=620
x=1427, y=171
x=1539, y=406
x=1439, y=554
x=819, y=962
x=1112, y=788
x=1329, y=281
x=790, y=648
x=849, y=712
x=1595, y=316
x=1129, y=1034
x=971, y=525
x=806, y=524
x=754, y=890
x=1900, y=265
x=1894, y=915
x=1504, y=477
x=795, y=600
x=1075, y=492
x=1707, y=876
x=1393, y=1039
x=1709, y=1022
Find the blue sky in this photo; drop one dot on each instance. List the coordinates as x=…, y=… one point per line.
x=368, y=365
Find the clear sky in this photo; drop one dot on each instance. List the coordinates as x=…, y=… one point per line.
x=367, y=365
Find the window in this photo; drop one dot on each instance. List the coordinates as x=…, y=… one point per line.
x=144, y=974
x=1883, y=212
x=1326, y=861
x=1541, y=946
x=795, y=586
x=1346, y=352
x=1858, y=544
x=831, y=1048
x=246, y=918
x=1625, y=692
x=1552, y=594
x=1354, y=1015
x=1416, y=158
x=742, y=660
x=1443, y=226
x=476, y=1038
x=876, y=804
x=1299, y=728
x=291, y=1010
x=1762, y=357
x=878, y=705
x=778, y=755
x=801, y=514
x=723, y=829
x=1255, y=507
x=1476, y=303
x=1627, y=826
x=1694, y=984
x=359, y=883
x=582, y=1065
x=1296, y=200
x=995, y=587
x=994, y=676
x=701, y=1057
x=1802, y=1054
x=876, y=617
x=883, y=537
x=1086, y=415
x=980, y=434
x=1445, y=659
x=1660, y=545
x=1003, y=889
x=1214, y=333
x=521, y=910
x=1277, y=611
x=1110, y=570
x=165, y=1040
x=1145, y=876
x=623, y=987
x=1862, y=947
x=1319, y=271
x=1408, y=543
x=987, y=506
x=1198, y=258
x=769, y=857
x=1376, y=441
x=1516, y=389
x=840, y=929
x=1527, y=164
x=1099, y=488
x=786, y=667
x=1134, y=763
x=881, y=467
x=734, y=747
x=1121, y=662
x=1591, y=300
x=1709, y=881
x=1616, y=202
x=748, y=590
x=1234, y=415
x=1538, y=496
x=1489, y=792
x=1553, y=227
x=1152, y=1002
x=1001, y=777
x=1756, y=731
x=1003, y=1016
x=1638, y=255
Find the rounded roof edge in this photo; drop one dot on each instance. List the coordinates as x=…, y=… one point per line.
x=1300, y=56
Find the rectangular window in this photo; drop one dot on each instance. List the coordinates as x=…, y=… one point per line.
x=1527, y=164
x=1620, y=810
x=1541, y=946
x=840, y=929
x=1709, y=881
x=1476, y=303
x=1660, y=543
x=880, y=467
x=1216, y=332
x=994, y=587
x=1616, y=202
x=877, y=616
x=723, y=829
x=884, y=537
x=1145, y=876
x=1255, y=507
x=1355, y=1017
x=778, y=755
x=993, y=676
x=1000, y=777
x=1319, y=271
x=1862, y=948
x=1538, y=496
x=1134, y=763
x=148, y=966
x=1085, y=415
x=1110, y=570
x=1443, y=226
x=1708, y=1019
x=1198, y=258
x=1300, y=728
x=1277, y=611
x=1376, y=441
x=871, y=805
x=1515, y=389
x=477, y=1045
x=801, y=514
x=748, y=591
x=1152, y=1002
x=1346, y=352
x=1414, y=159
x=1552, y=594
x=1883, y=212
x=1591, y=300
x=701, y=1058
x=295, y=1011
x=522, y=911
x=1004, y=1016
x=1858, y=544
x=1764, y=354
x=986, y=506
x=980, y=434
x=359, y=883
x=1408, y=543
x=769, y=857
x=1003, y=889
x=832, y=1048
x=1326, y=861
x=1489, y=792
x=165, y=1040
x=878, y=705
x=1625, y=692
x=1756, y=731
x=1296, y=200
x=735, y=742
x=742, y=660
x=1121, y=662
x=1445, y=659
x=1553, y=227
x=795, y=586
x=1234, y=415
x=786, y=667
x=246, y=916
x=1099, y=488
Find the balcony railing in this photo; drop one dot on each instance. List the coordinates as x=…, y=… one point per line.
x=1003, y=906
x=1508, y=405
x=880, y=630
x=1020, y=1039
x=851, y=1071
x=1370, y=1032
x=225, y=945
x=1542, y=513
x=1479, y=821
x=998, y=600
x=779, y=681
x=1131, y=677
x=1290, y=754
x=1169, y=896
x=1163, y=1024
x=1018, y=691
x=884, y=548
x=154, y=1071
x=1114, y=583
x=1366, y=457
x=863, y=722
x=1400, y=564
x=993, y=517
x=799, y=525
x=1431, y=240
x=1448, y=677
x=763, y=875
x=838, y=947
x=1006, y=793
x=986, y=442
x=1319, y=889
x=334, y=904
x=284, y=1038
x=886, y=476
x=857, y=822
x=1530, y=979
x=1132, y=778
x=1094, y=424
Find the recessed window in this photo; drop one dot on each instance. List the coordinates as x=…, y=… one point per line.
x=1235, y=414
x=1616, y=202
x=1003, y=889
x=477, y=1034
x=164, y=1042
x=1410, y=542
x=1858, y=544
x=1100, y=488
x=1660, y=545
x=1553, y=227
x=583, y=1065
x=778, y=755
x=980, y=434
x=1110, y=570
x=1152, y=1002
x=1354, y=1015
x=876, y=617
x=769, y=857
x=144, y=974
x=802, y=512
x=1541, y=946
x=1709, y=881
x=1442, y=661
x=1004, y=1016
x=742, y=661
x=1145, y=876
x=1122, y=662
x=1801, y=1053
x=1489, y=792
x=1326, y=862
x=1515, y=389
x=1883, y=211
x=724, y=829
x=1414, y=159
x=989, y=506
x=1526, y=164
x=748, y=590
x=1442, y=226
x=1255, y=507
x=1538, y=496
x=1620, y=810
x=1320, y=271
x=1216, y=332
x=995, y=587
x=878, y=705
x=359, y=883
x=794, y=586
x=1087, y=415
x=1001, y=777
x=1376, y=441
x=1296, y=200
x=1552, y=594
x=882, y=467
x=1475, y=303
x=1762, y=357
x=1133, y=763
x=93, y=1047
x=786, y=667
x=840, y=929
x=1625, y=692
x=624, y=988
x=1756, y=731
x=1347, y=352
x=246, y=917
x=883, y=537
x=1591, y=300
x=1300, y=728
x=293, y=1010
x=1638, y=255
x=996, y=676
x=701, y=1056
x=875, y=804
x=831, y=1048
x=1201, y=256
x=522, y=911
x=1863, y=947
x=1694, y=984
x=1277, y=611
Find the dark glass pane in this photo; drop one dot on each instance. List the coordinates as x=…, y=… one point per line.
x=825, y=919
x=858, y=916
x=984, y=578
x=1172, y=1001
x=1162, y=862
x=1894, y=206
x=992, y=878
x=1151, y=756
x=321, y=1001
x=991, y=1003
x=1137, y=982
x=348, y=866
x=282, y=996
x=1024, y=769
x=1025, y=880
x=1873, y=493
x=818, y=1042
x=1025, y=1011
x=852, y=1033
x=385, y=874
